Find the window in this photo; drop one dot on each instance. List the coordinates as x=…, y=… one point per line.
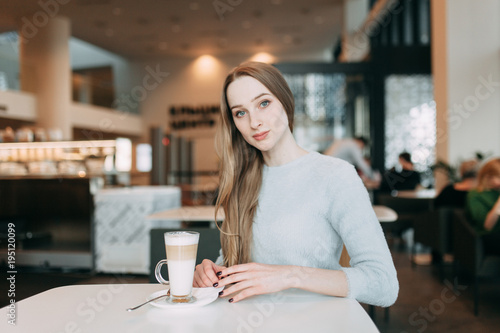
x=410, y=122
x=143, y=157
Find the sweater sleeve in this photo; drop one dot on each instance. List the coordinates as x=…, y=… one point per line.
x=372, y=277
x=220, y=259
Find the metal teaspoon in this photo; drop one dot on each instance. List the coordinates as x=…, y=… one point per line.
x=151, y=300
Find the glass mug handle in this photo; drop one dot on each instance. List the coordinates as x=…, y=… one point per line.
x=158, y=276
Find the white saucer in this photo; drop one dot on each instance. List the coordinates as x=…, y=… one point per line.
x=203, y=297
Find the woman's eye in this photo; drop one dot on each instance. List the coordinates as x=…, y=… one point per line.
x=264, y=104
x=239, y=114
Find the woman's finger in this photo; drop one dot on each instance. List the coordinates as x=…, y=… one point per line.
x=219, y=268
x=197, y=281
x=236, y=278
x=209, y=274
x=231, y=290
x=237, y=269
x=248, y=292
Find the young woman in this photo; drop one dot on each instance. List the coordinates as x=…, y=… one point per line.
x=483, y=205
x=288, y=211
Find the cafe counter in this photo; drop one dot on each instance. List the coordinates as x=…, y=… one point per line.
x=121, y=230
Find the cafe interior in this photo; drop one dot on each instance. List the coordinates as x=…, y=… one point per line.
x=109, y=110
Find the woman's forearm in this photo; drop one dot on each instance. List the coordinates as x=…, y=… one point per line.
x=322, y=281
x=493, y=216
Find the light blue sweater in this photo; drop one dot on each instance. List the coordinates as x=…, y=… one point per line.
x=308, y=209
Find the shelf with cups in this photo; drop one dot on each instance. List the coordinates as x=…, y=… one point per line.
x=58, y=158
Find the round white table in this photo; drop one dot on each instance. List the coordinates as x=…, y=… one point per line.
x=385, y=214
x=418, y=194
x=102, y=308
x=189, y=213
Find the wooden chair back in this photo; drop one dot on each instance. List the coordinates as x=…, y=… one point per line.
x=344, y=258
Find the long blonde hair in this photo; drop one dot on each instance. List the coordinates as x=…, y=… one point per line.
x=242, y=164
x=491, y=168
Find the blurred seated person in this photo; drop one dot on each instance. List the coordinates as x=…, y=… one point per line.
x=483, y=206
x=372, y=183
x=401, y=177
x=351, y=150
x=454, y=195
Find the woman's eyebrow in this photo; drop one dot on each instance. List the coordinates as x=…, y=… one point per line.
x=253, y=99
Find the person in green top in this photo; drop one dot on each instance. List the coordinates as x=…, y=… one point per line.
x=483, y=205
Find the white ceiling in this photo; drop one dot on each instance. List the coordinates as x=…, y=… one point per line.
x=145, y=29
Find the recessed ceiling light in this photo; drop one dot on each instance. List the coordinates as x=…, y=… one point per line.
x=176, y=28
x=206, y=66
x=263, y=57
x=194, y=6
x=117, y=11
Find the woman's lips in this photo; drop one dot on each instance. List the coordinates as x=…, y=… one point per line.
x=260, y=136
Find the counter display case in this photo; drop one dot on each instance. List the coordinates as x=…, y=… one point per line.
x=47, y=190
x=52, y=219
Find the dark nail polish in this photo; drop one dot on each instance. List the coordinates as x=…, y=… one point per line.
x=221, y=292
x=216, y=284
x=231, y=300
x=219, y=273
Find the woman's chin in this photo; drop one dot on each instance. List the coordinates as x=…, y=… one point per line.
x=263, y=146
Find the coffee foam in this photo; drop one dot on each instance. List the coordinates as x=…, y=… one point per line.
x=181, y=238
x=181, y=252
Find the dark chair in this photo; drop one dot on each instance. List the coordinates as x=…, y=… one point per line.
x=469, y=255
x=434, y=229
x=408, y=210
x=208, y=248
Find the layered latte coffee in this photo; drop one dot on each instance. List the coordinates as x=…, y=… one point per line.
x=181, y=255
x=181, y=248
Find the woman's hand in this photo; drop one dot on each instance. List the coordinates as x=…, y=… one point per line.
x=497, y=205
x=205, y=274
x=493, y=216
x=256, y=279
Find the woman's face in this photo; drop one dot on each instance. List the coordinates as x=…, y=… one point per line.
x=493, y=182
x=258, y=115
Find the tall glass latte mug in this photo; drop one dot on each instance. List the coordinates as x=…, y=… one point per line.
x=181, y=248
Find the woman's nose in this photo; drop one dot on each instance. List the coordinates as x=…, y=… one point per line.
x=255, y=121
